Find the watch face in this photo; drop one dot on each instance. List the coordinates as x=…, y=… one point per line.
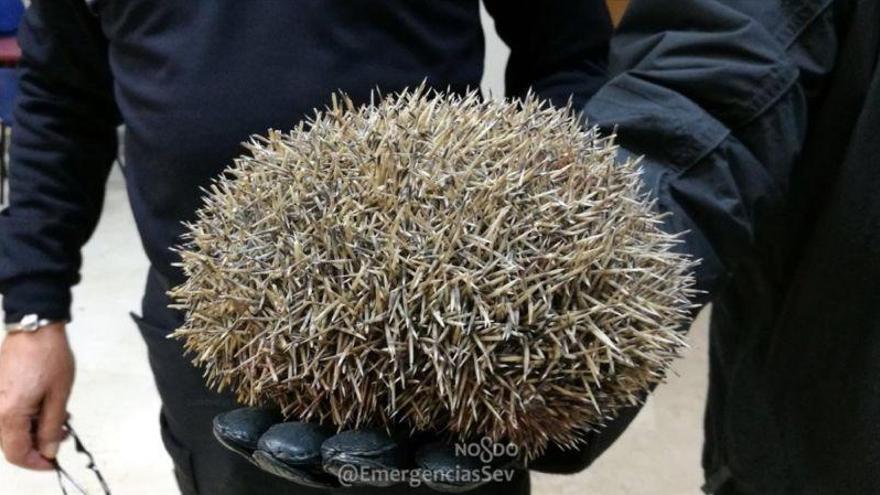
x=29, y=321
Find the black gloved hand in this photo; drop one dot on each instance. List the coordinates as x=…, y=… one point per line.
x=315, y=456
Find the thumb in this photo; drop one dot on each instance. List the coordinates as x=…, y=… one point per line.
x=50, y=426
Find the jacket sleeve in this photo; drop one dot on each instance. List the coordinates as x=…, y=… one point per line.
x=558, y=48
x=715, y=95
x=63, y=145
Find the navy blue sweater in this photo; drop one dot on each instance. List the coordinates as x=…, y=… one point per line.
x=192, y=80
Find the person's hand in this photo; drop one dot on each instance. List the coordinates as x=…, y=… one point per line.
x=36, y=375
x=311, y=455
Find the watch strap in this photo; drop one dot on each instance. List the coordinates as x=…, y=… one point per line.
x=29, y=323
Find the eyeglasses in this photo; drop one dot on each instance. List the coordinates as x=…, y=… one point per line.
x=64, y=477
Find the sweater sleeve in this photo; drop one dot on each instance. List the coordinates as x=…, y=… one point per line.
x=63, y=145
x=715, y=95
x=558, y=48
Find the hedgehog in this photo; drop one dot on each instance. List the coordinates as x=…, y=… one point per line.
x=482, y=268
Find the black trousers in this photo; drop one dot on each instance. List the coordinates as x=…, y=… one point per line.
x=201, y=464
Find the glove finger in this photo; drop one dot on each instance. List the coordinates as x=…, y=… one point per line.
x=452, y=472
x=363, y=457
x=240, y=430
x=293, y=452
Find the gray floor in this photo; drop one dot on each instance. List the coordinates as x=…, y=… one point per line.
x=115, y=406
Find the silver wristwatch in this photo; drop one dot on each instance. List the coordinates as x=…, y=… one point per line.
x=30, y=323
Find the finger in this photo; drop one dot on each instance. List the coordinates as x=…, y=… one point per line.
x=50, y=427
x=449, y=471
x=240, y=430
x=18, y=443
x=364, y=457
x=293, y=452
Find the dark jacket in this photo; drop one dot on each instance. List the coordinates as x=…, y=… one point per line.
x=760, y=123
